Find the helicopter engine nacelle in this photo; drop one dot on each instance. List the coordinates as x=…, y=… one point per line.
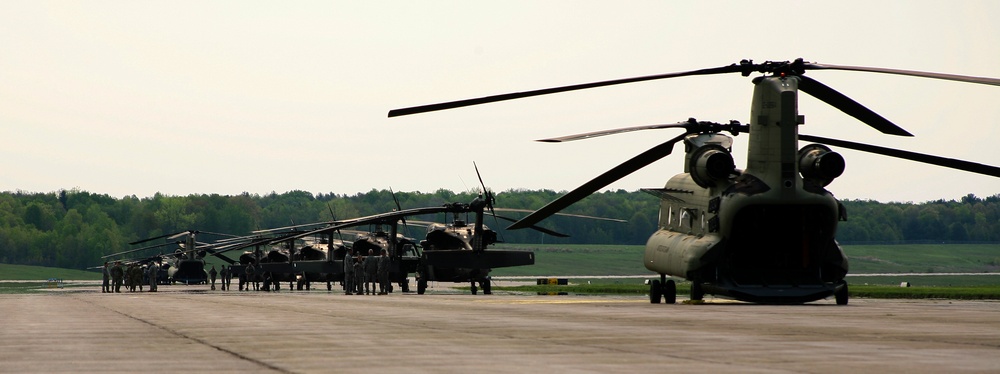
x=710, y=165
x=819, y=164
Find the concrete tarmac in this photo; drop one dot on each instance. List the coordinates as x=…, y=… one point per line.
x=191, y=329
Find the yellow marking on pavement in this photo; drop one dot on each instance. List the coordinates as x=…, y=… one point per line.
x=556, y=301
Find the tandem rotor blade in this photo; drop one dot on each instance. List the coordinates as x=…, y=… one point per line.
x=847, y=105
x=616, y=173
x=950, y=77
x=595, y=134
x=912, y=156
x=517, y=95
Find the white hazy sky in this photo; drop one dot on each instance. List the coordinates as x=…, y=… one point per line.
x=184, y=97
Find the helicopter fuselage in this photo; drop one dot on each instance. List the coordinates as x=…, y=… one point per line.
x=763, y=234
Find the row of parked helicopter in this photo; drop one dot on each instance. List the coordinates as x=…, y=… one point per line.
x=765, y=233
x=309, y=253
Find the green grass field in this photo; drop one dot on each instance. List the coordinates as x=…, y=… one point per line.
x=866, y=259
x=863, y=291
x=25, y=272
x=610, y=260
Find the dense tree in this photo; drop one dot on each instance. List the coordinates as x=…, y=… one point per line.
x=73, y=228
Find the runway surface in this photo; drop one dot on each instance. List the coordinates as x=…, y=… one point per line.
x=191, y=329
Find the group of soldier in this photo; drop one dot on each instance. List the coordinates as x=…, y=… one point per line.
x=226, y=278
x=360, y=272
x=132, y=276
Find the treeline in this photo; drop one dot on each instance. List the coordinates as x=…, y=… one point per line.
x=970, y=219
x=73, y=229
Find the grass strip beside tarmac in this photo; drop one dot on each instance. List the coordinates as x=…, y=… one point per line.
x=988, y=292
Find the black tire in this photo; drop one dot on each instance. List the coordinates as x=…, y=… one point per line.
x=697, y=293
x=474, y=289
x=670, y=292
x=842, y=295
x=421, y=286
x=655, y=292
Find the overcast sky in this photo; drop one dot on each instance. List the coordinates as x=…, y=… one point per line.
x=135, y=97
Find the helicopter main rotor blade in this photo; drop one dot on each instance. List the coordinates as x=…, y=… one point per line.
x=616, y=173
x=923, y=74
x=486, y=193
x=156, y=237
x=398, y=207
x=563, y=214
x=595, y=134
x=536, y=228
x=220, y=255
x=139, y=249
x=847, y=105
x=518, y=95
x=912, y=156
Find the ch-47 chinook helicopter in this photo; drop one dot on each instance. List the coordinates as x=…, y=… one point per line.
x=762, y=234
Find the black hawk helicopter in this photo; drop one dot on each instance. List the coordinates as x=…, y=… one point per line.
x=187, y=263
x=462, y=264
x=453, y=252
x=762, y=234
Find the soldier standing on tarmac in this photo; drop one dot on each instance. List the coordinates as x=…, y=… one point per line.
x=251, y=277
x=116, y=276
x=128, y=277
x=212, y=273
x=383, y=274
x=223, y=274
x=359, y=274
x=349, y=273
x=371, y=270
x=153, y=273
x=139, y=273
x=106, y=279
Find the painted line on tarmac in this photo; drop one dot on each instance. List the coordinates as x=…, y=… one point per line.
x=555, y=301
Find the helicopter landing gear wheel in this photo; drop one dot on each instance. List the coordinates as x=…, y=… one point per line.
x=841, y=295
x=697, y=293
x=421, y=286
x=655, y=292
x=670, y=292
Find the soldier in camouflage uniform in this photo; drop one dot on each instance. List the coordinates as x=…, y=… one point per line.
x=116, y=276
x=153, y=273
x=359, y=274
x=349, y=286
x=106, y=279
x=383, y=274
x=371, y=271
